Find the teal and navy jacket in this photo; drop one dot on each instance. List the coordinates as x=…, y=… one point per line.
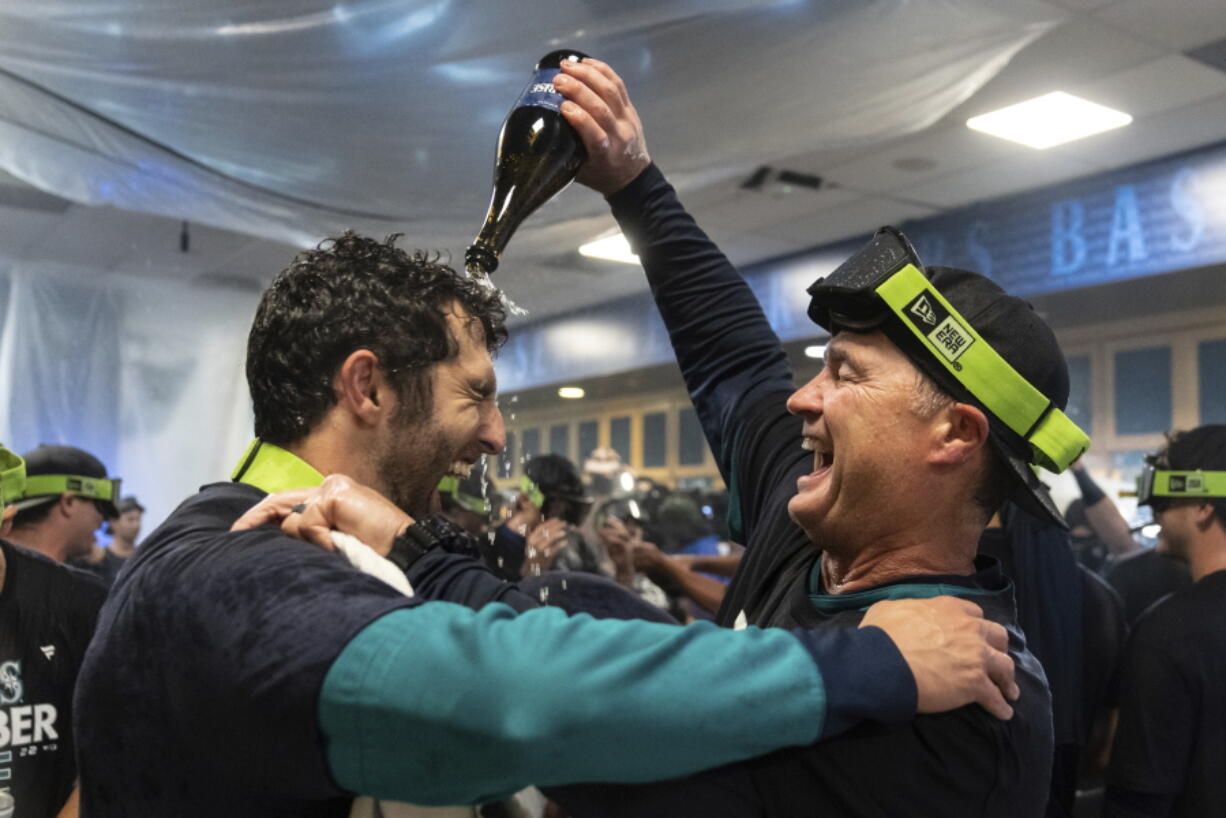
x=250, y=674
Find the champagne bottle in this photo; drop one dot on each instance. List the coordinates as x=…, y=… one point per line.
x=538, y=154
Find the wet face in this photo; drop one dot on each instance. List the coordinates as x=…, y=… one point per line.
x=867, y=437
x=462, y=424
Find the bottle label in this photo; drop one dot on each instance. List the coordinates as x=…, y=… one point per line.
x=540, y=92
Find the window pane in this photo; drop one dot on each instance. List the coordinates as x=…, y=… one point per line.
x=506, y=460
x=1143, y=391
x=588, y=435
x=619, y=437
x=559, y=439
x=653, y=439
x=1212, y=371
x=1080, y=393
x=532, y=443
x=692, y=445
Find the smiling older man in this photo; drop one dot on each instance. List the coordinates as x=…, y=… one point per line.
x=872, y=481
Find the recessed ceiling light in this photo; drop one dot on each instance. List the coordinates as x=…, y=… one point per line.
x=816, y=351
x=1051, y=119
x=571, y=392
x=610, y=248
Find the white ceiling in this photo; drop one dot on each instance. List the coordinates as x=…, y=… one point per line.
x=1129, y=54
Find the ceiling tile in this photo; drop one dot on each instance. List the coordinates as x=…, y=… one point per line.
x=947, y=148
x=999, y=178
x=846, y=221
x=1156, y=136
x=746, y=210
x=1175, y=24
x=1077, y=52
x=1158, y=85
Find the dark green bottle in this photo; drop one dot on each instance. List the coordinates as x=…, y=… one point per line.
x=538, y=154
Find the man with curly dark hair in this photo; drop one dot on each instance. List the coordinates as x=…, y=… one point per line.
x=247, y=673
x=415, y=327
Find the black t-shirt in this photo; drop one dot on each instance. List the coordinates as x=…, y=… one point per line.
x=1171, y=743
x=1142, y=579
x=106, y=569
x=47, y=615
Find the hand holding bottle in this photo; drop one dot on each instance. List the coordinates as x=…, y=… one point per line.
x=599, y=109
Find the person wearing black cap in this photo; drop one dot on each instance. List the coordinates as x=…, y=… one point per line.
x=874, y=480
x=47, y=616
x=68, y=496
x=1169, y=755
x=105, y=562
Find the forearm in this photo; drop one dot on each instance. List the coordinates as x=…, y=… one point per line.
x=723, y=342
x=724, y=566
x=545, y=699
x=1104, y=516
x=448, y=577
x=681, y=580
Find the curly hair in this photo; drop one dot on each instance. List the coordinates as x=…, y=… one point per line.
x=352, y=293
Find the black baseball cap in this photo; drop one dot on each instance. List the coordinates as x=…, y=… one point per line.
x=55, y=470
x=848, y=299
x=129, y=503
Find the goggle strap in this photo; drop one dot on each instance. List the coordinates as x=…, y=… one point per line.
x=1054, y=439
x=94, y=488
x=1188, y=484
x=12, y=477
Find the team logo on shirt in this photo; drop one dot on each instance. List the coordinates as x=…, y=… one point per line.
x=11, y=689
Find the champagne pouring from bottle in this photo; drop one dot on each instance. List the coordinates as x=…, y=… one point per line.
x=538, y=155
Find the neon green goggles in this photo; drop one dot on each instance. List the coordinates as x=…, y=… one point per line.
x=450, y=485
x=889, y=273
x=1159, y=484
x=529, y=487
x=12, y=477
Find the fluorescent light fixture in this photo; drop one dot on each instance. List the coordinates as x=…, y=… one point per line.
x=816, y=351
x=1051, y=119
x=571, y=392
x=610, y=248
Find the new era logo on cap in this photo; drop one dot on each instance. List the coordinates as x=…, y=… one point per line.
x=922, y=309
x=1189, y=483
x=946, y=334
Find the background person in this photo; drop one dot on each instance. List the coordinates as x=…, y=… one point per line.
x=1170, y=747
x=47, y=615
x=67, y=498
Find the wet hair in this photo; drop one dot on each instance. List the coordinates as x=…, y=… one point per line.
x=352, y=293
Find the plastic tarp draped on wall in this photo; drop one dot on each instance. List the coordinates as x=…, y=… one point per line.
x=148, y=378
x=293, y=119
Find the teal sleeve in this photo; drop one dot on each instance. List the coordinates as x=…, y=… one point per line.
x=439, y=704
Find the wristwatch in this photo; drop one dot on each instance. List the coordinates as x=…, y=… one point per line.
x=426, y=535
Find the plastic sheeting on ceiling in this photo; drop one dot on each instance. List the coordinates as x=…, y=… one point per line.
x=292, y=119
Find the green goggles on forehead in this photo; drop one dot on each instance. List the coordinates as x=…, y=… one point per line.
x=450, y=485
x=12, y=477
x=529, y=487
x=94, y=488
x=1156, y=484
x=886, y=281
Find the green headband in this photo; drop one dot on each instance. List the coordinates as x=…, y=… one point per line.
x=95, y=488
x=12, y=477
x=1055, y=441
x=450, y=485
